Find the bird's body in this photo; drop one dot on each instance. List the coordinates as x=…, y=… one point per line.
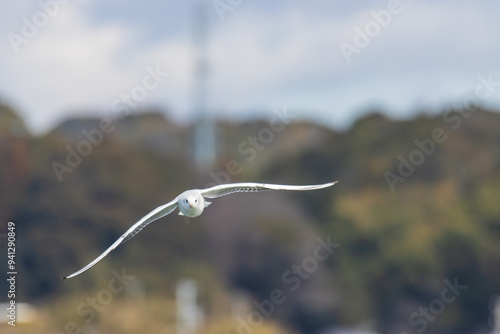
x=191, y=203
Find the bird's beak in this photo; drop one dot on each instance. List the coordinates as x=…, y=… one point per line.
x=191, y=204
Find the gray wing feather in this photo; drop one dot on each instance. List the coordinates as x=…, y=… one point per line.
x=157, y=213
x=226, y=189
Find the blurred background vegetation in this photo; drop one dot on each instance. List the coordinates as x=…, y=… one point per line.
x=396, y=247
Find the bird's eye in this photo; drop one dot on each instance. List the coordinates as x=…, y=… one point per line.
x=196, y=201
x=185, y=201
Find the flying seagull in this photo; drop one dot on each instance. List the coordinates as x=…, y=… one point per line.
x=191, y=204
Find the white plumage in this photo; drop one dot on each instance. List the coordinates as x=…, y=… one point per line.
x=191, y=203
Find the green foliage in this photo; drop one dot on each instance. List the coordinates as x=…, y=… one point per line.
x=396, y=248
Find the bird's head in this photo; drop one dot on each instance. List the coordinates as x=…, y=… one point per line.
x=191, y=200
x=191, y=203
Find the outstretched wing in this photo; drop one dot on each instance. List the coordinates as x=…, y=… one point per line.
x=226, y=189
x=157, y=213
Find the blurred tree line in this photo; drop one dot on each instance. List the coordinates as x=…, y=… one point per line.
x=412, y=210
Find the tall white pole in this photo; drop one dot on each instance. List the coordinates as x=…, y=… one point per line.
x=188, y=315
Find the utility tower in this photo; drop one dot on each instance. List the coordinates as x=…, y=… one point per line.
x=204, y=134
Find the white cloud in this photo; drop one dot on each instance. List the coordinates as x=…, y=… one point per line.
x=74, y=66
x=258, y=53
x=288, y=58
x=68, y=65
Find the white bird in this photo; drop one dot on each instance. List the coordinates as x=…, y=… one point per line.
x=191, y=204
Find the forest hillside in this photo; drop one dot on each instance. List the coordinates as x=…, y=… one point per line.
x=417, y=210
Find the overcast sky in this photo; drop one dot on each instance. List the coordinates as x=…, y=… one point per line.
x=82, y=57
